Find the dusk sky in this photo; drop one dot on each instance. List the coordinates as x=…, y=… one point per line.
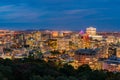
x=60, y=14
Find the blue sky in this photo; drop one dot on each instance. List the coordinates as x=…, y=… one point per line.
x=60, y=14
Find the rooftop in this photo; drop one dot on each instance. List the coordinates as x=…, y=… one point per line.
x=86, y=51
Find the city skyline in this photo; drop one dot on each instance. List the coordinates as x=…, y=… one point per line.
x=60, y=15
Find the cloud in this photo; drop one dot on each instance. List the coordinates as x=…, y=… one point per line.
x=20, y=13
x=85, y=10
x=74, y=11
x=6, y=8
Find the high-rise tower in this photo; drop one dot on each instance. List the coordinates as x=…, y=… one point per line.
x=91, y=31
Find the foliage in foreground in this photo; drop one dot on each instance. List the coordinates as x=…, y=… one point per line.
x=30, y=69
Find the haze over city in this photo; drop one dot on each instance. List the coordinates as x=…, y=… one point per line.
x=60, y=14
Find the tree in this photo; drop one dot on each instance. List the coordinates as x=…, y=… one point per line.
x=48, y=78
x=61, y=78
x=2, y=76
x=83, y=68
x=67, y=70
x=97, y=75
x=36, y=77
x=83, y=72
x=117, y=76
x=72, y=78
x=38, y=55
x=6, y=71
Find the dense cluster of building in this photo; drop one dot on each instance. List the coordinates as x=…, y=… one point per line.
x=99, y=50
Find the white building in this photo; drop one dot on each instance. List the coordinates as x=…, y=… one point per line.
x=91, y=31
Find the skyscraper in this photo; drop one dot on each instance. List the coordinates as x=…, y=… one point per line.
x=91, y=31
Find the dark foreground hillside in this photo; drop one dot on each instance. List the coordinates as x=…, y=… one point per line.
x=30, y=69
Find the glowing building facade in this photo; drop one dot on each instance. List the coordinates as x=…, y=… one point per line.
x=91, y=31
